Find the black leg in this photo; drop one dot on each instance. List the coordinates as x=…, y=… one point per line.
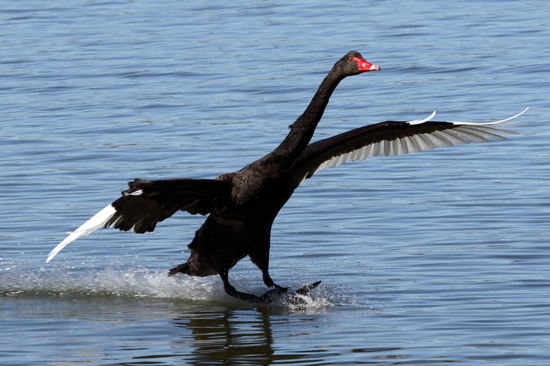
x=230, y=290
x=260, y=257
x=269, y=282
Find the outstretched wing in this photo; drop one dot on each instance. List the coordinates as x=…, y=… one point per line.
x=147, y=202
x=392, y=138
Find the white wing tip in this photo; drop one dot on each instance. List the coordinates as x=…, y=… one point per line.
x=96, y=222
x=420, y=121
x=491, y=123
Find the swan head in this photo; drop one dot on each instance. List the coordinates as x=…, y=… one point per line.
x=354, y=63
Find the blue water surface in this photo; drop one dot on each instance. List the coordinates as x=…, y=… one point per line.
x=431, y=258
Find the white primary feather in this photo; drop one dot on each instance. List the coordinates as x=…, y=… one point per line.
x=97, y=222
x=491, y=123
x=419, y=121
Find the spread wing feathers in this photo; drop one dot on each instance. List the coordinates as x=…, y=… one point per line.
x=148, y=202
x=393, y=138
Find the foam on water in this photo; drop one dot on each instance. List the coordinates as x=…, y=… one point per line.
x=109, y=281
x=136, y=282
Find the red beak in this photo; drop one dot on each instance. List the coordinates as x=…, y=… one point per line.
x=364, y=65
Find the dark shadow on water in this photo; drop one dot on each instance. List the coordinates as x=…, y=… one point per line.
x=238, y=336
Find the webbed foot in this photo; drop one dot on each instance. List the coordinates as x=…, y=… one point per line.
x=291, y=296
x=304, y=290
x=272, y=295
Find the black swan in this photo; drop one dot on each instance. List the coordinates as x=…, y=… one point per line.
x=243, y=205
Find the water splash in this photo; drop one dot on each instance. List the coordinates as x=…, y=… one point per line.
x=136, y=282
x=110, y=281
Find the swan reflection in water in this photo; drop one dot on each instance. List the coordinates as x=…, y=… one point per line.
x=236, y=336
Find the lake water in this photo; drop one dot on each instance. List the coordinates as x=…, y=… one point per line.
x=431, y=258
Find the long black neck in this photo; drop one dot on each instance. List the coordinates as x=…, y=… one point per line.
x=302, y=130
